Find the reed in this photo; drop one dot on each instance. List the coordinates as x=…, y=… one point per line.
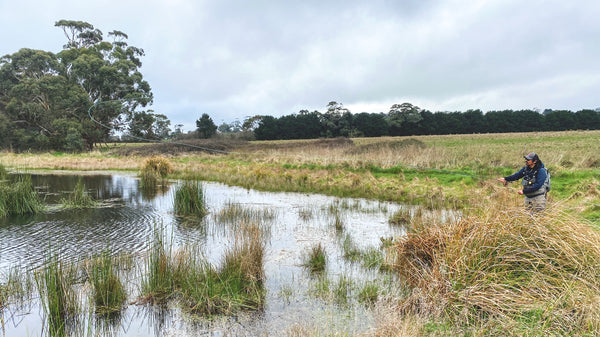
x=189, y=199
x=316, y=260
x=59, y=300
x=108, y=292
x=19, y=197
x=236, y=285
x=79, y=198
x=539, y=274
x=154, y=172
x=158, y=283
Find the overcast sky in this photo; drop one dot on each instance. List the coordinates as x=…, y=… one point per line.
x=234, y=59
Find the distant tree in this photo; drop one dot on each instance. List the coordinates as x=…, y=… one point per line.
x=337, y=121
x=370, y=124
x=46, y=97
x=206, y=127
x=268, y=129
x=400, y=114
x=588, y=119
x=560, y=120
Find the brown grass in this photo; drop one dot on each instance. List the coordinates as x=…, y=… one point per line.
x=504, y=263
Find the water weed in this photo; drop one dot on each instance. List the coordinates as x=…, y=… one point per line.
x=60, y=302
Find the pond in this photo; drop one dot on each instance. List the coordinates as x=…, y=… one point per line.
x=127, y=218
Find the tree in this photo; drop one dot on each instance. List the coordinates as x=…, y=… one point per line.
x=400, y=114
x=42, y=93
x=206, y=127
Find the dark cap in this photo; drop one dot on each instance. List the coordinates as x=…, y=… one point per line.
x=531, y=156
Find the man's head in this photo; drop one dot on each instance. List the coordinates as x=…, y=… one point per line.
x=531, y=159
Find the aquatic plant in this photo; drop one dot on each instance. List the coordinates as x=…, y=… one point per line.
x=3, y=172
x=59, y=300
x=238, y=284
x=108, y=291
x=19, y=197
x=316, y=259
x=189, y=199
x=154, y=171
x=79, y=198
x=158, y=283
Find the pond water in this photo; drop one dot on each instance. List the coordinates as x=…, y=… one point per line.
x=127, y=217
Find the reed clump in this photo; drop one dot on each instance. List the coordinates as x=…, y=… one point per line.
x=79, y=198
x=535, y=273
x=155, y=171
x=189, y=199
x=108, y=292
x=316, y=260
x=59, y=300
x=19, y=197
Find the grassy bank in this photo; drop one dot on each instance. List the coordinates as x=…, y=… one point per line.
x=455, y=171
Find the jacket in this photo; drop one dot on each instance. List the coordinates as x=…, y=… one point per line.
x=533, y=179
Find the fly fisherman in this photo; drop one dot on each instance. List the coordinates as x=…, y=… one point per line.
x=534, y=182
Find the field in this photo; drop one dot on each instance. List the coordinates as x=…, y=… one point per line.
x=496, y=271
x=456, y=171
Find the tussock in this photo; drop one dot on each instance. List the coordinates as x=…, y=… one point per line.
x=507, y=264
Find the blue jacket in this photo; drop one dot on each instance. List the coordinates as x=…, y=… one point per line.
x=533, y=179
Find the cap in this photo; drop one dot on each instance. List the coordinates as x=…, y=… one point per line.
x=531, y=156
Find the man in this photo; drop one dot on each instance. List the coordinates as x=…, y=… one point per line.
x=534, y=182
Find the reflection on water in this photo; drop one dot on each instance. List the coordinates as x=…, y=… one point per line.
x=127, y=217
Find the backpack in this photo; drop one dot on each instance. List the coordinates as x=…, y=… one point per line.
x=547, y=182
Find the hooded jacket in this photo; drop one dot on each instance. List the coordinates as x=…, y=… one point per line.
x=533, y=179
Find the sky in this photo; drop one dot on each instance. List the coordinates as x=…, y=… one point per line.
x=235, y=59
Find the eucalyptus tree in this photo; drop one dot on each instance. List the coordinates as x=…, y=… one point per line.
x=47, y=99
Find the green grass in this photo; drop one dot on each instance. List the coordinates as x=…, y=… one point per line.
x=109, y=293
x=59, y=300
x=19, y=197
x=189, y=199
x=79, y=198
x=316, y=260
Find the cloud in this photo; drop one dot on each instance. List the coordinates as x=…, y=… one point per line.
x=233, y=59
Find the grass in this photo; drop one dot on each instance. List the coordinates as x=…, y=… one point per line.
x=79, y=198
x=154, y=172
x=189, y=199
x=109, y=293
x=60, y=303
x=201, y=288
x=536, y=274
x=316, y=260
x=19, y=197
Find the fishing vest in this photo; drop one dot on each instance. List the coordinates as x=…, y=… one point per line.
x=529, y=178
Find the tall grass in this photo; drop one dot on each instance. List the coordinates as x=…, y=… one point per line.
x=19, y=197
x=189, y=199
x=108, y=292
x=79, y=198
x=154, y=172
x=538, y=274
x=316, y=260
x=158, y=284
x=59, y=300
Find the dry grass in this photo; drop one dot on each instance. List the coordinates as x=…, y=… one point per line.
x=507, y=265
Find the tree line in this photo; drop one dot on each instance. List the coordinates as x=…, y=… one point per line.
x=406, y=119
